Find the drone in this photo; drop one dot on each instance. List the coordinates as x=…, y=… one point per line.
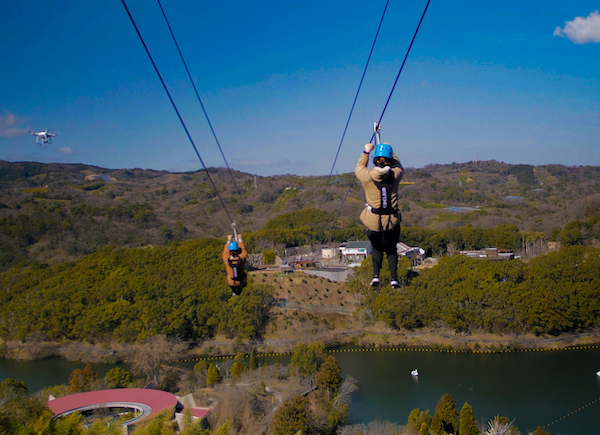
x=42, y=137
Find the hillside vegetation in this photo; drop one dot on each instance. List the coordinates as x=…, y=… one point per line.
x=56, y=212
x=128, y=295
x=179, y=290
x=550, y=294
x=122, y=260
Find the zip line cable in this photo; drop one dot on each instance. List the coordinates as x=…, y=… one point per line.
x=354, y=104
x=175, y=108
x=404, y=61
x=383, y=112
x=202, y=105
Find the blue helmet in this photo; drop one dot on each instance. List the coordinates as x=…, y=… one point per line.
x=233, y=246
x=384, y=150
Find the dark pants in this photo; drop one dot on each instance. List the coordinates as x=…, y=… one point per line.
x=237, y=289
x=384, y=241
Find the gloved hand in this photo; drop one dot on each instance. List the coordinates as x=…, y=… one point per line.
x=229, y=237
x=369, y=147
x=381, y=171
x=239, y=237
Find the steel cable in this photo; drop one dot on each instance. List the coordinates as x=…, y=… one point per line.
x=383, y=112
x=353, y=104
x=176, y=110
x=202, y=105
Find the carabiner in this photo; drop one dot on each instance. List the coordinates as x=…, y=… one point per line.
x=376, y=129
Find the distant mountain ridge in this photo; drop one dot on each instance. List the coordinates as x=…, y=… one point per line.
x=55, y=212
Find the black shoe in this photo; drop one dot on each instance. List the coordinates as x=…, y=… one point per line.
x=395, y=284
x=375, y=281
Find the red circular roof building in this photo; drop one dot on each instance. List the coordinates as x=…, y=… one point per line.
x=144, y=403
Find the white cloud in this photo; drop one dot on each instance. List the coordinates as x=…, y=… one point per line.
x=67, y=151
x=581, y=30
x=9, y=126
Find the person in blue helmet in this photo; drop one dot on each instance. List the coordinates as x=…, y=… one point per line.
x=381, y=216
x=234, y=257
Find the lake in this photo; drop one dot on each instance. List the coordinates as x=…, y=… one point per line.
x=557, y=389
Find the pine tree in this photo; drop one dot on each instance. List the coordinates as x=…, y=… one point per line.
x=213, y=375
x=252, y=364
x=468, y=426
x=540, y=431
x=76, y=383
x=445, y=419
x=424, y=429
x=416, y=420
x=90, y=376
x=238, y=367
x=329, y=376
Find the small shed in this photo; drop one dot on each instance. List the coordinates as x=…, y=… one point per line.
x=329, y=252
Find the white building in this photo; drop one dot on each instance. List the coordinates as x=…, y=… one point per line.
x=356, y=252
x=415, y=255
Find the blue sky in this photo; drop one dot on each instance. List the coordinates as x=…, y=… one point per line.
x=513, y=81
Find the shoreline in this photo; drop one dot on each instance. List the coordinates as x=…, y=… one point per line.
x=368, y=339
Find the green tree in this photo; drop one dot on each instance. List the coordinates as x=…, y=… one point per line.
x=238, y=367
x=76, y=384
x=268, y=256
x=424, y=429
x=291, y=417
x=416, y=419
x=21, y=413
x=162, y=424
x=252, y=364
x=201, y=366
x=329, y=376
x=90, y=377
x=190, y=427
x=540, y=431
x=306, y=358
x=118, y=377
x=468, y=426
x=10, y=387
x=445, y=418
x=213, y=375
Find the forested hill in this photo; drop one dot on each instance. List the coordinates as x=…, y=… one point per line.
x=130, y=294
x=554, y=293
x=56, y=212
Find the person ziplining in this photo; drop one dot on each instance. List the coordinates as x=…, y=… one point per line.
x=234, y=257
x=381, y=216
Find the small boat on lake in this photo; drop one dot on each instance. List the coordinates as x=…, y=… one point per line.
x=415, y=372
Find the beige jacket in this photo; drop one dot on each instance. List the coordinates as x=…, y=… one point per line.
x=368, y=177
